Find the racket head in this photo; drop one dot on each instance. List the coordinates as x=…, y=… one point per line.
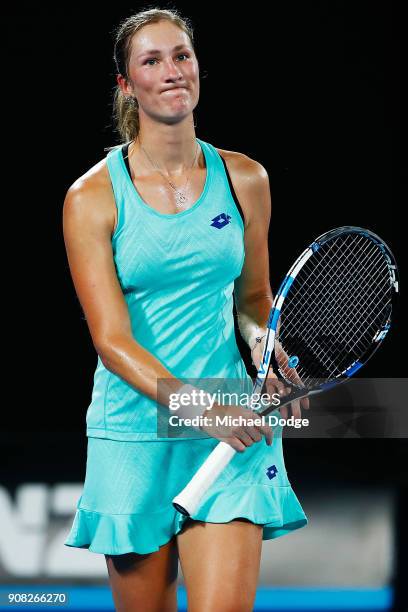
x=333, y=309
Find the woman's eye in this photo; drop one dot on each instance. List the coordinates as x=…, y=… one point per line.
x=154, y=59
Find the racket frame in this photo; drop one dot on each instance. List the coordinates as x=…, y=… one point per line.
x=274, y=316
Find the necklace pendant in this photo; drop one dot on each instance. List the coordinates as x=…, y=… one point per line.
x=181, y=198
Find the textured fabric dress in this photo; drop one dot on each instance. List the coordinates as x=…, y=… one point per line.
x=177, y=275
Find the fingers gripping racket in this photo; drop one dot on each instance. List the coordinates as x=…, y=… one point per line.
x=330, y=315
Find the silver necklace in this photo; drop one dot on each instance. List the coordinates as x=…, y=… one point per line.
x=179, y=193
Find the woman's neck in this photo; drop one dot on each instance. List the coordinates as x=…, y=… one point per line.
x=170, y=148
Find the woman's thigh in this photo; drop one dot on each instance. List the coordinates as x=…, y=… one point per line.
x=145, y=582
x=220, y=564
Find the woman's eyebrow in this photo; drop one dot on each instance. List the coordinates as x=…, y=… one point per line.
x=176, y=48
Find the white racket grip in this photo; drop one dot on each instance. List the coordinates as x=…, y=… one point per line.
x=190, y=497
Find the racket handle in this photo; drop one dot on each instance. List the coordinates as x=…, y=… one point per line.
x=188, y=500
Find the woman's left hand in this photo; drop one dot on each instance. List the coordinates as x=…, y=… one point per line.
x=274, y=385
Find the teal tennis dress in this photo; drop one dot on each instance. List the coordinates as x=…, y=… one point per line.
x=177, y=275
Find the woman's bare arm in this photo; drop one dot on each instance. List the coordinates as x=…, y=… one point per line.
x=253, y=294
x=88, y=221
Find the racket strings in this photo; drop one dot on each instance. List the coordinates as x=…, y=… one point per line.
x=313, y=282
x=340, y=290
x=314, y=277
x=372, y=292
x=315, y=290
x=340, y=298
x=347, y=316
x=315, y=272
x=335, y=295
x=321, y=348
x=343, y=348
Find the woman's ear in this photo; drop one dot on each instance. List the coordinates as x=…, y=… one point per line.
x=124, y=85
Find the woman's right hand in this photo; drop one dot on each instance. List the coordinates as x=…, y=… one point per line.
x=239, y=435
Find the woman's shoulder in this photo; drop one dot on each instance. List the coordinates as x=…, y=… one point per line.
x=90, y=196
x=250, y=181
x=95, y=180
x=241, y=166
x=243, y=169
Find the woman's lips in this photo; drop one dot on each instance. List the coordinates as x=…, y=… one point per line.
x=174, y=89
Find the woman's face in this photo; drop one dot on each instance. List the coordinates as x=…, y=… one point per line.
x=164, y=72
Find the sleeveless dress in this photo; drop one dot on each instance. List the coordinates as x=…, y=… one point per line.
x=177, y=274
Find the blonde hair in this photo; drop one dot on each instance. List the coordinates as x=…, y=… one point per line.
x=126, y=112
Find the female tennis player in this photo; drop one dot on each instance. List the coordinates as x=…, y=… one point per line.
x=158, y=235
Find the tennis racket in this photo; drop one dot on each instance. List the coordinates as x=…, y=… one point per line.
x=330, y=315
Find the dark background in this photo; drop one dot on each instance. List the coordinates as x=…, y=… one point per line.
x=309, y=89
x=311, y=92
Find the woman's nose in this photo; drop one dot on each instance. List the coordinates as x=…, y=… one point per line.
x=172, y=70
